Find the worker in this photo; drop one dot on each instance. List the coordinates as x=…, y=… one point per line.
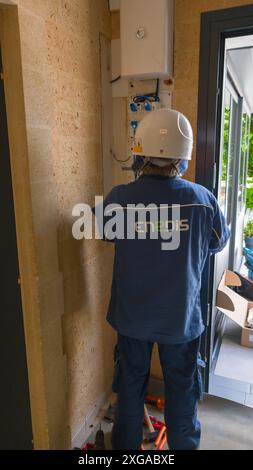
x=155, y=294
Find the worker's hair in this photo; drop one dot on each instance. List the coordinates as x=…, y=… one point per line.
x=170, y=169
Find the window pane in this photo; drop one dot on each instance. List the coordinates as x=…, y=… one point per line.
x=225, y=147
x=249, y=193
x=244, y=139
x=232, y=135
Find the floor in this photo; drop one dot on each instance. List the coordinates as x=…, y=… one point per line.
x=233, y=375
x=235, y=361
x=225, y=425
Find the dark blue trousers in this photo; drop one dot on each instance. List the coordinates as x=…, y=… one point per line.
x=183, y=388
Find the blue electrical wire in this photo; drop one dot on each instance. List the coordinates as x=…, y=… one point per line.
x=149, y=96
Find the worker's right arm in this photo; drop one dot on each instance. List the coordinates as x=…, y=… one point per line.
x=220, y=231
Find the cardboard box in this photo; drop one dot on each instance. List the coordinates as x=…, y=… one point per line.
x=234, y=306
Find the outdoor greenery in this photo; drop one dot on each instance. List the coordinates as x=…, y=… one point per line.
x=249, y=190
x=249, y=197
x=225, y=142
x=250, y=168
x=248, y=229
x=246, y=143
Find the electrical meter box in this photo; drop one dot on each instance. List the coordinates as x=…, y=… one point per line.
x=146, y=38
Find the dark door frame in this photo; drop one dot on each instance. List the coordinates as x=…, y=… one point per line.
x=16, y=425
x=216, y=26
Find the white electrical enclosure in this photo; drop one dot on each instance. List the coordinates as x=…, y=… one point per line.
x=146, y=38
x=119, y=87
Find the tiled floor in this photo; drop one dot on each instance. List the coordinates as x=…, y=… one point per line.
x=233, y=375
x=225, y=425
x=235, y=361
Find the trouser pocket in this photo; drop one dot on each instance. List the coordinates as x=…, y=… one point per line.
x=199, y=381
x=116, y=373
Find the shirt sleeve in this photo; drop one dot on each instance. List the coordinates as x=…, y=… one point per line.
x=220, y=231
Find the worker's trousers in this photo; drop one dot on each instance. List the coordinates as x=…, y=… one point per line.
x=183, y=388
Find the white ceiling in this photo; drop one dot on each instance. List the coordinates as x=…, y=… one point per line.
x=240, y=53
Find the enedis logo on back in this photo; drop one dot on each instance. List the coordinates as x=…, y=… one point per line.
x=162, y=226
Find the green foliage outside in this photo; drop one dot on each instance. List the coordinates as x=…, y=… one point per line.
x=225, y=142
x=248, y=229
x=249, y=190
x=249, y=198
x=250, y=168
x=247, y=142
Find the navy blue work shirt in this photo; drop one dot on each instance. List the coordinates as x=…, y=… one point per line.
x=155, y=293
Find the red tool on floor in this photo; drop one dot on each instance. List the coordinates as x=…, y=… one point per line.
x=99, y=443
x=155, y=401
x=88, y=446
x=157, y=431
x=152, y=435
x=161, y=439
x=156, y=423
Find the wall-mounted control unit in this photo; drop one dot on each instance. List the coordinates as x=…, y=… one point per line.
x=146, y=38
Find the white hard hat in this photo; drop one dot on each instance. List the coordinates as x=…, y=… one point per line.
x=164, y=133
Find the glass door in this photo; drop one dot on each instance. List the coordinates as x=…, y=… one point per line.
x=240, y=197
x=227, y=193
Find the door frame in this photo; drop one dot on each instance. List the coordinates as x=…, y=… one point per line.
x=14, y=393
x=16, y=122
x=216, y=26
